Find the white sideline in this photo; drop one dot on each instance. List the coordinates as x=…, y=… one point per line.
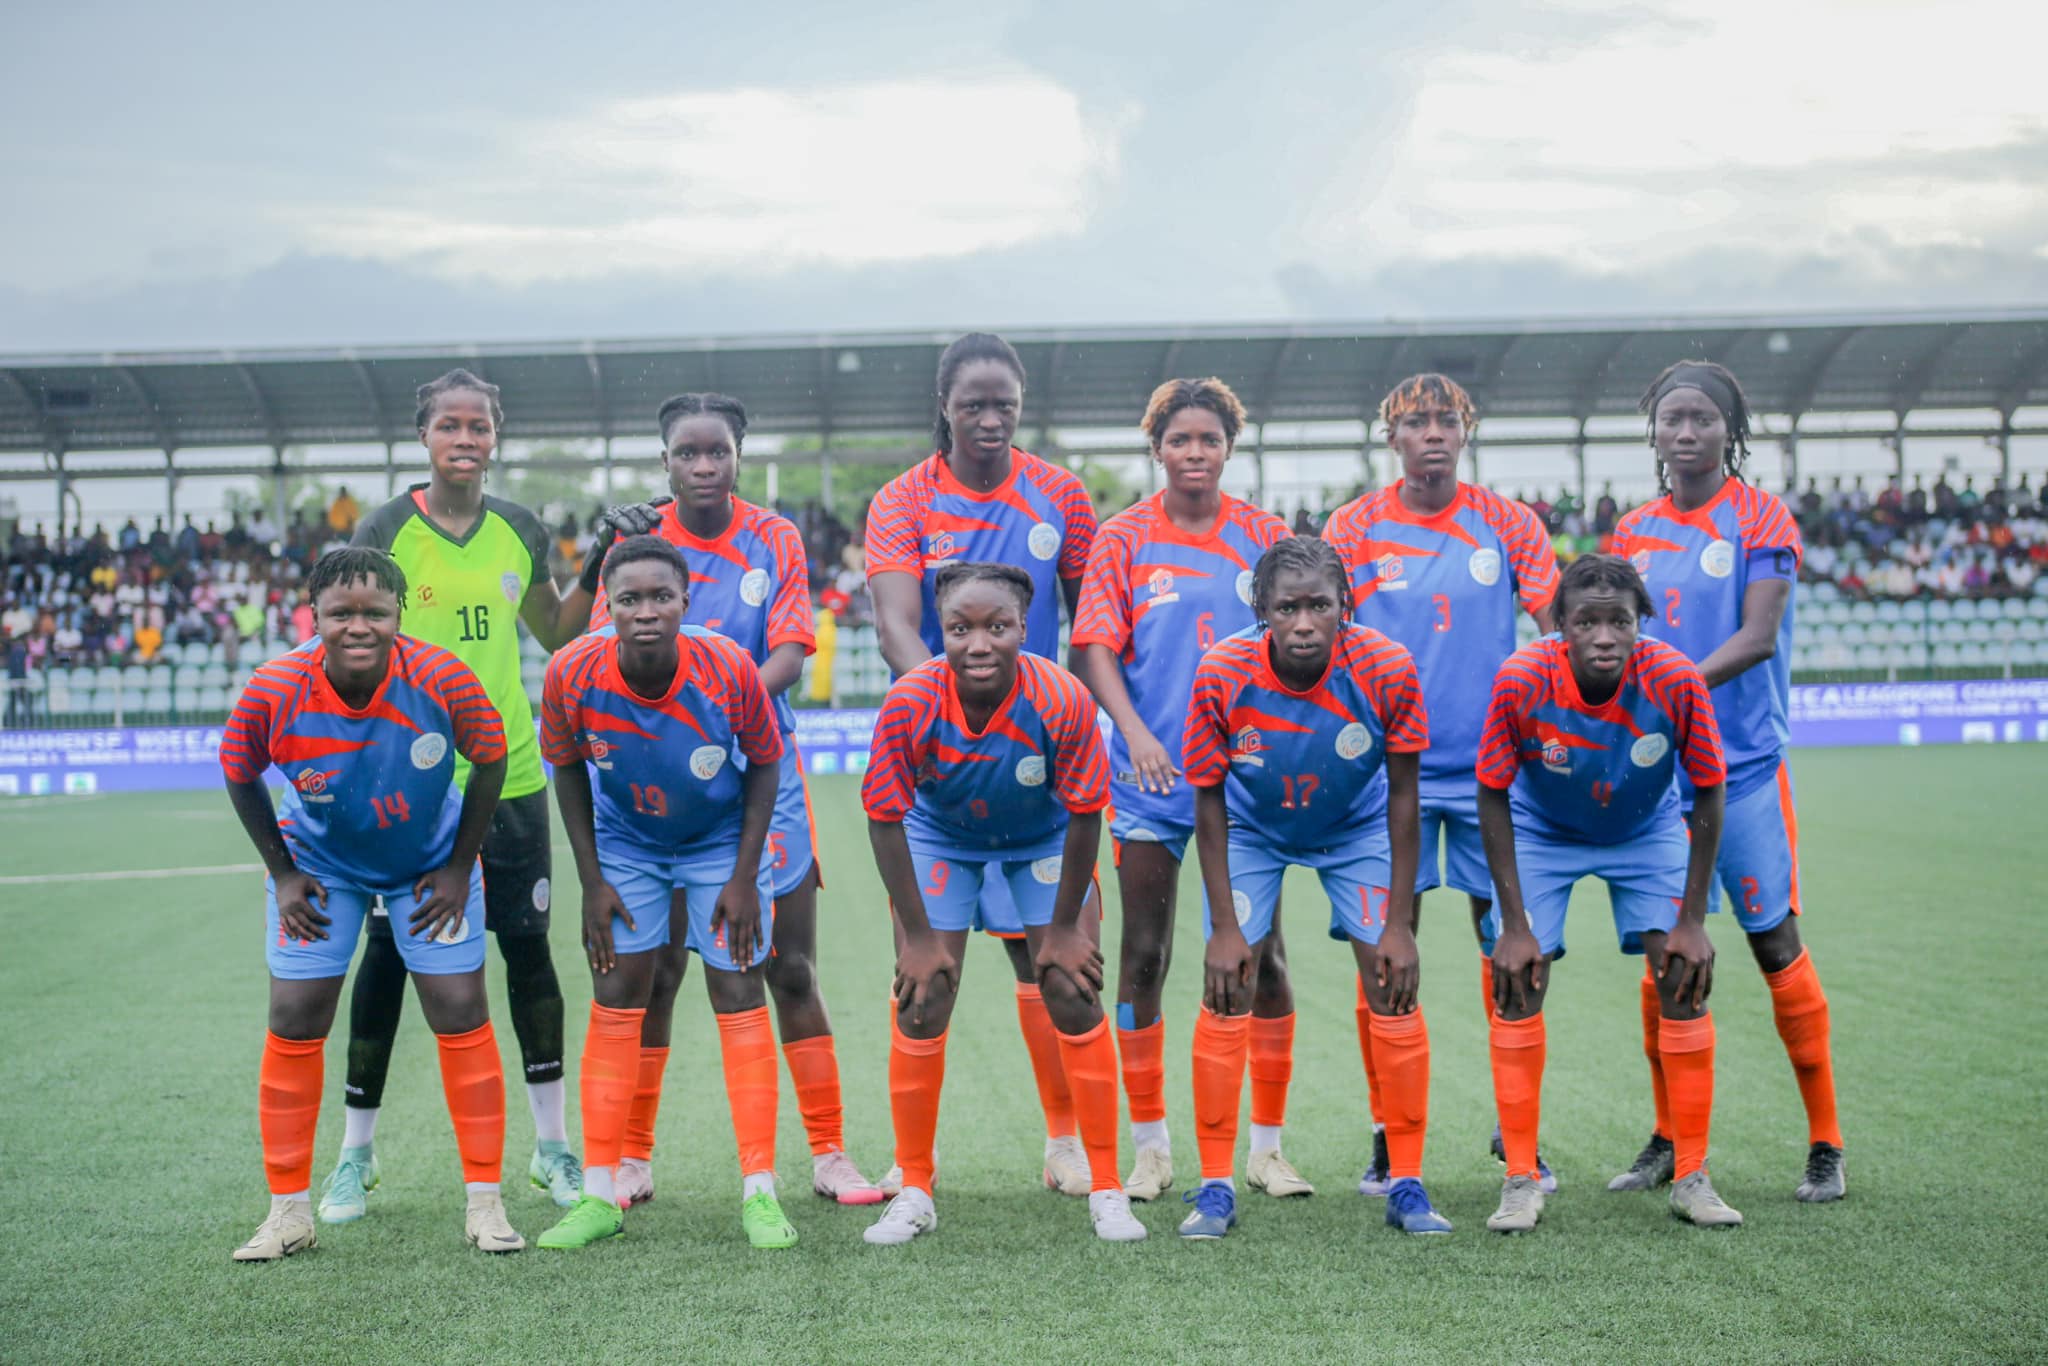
x=219, y=869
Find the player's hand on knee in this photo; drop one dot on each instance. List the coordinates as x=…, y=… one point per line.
x=736, y=917
x=1400, y=968
x=442, y=895
x=1067, y=949
x=1227, y=972
x=1518, y=971
x=600, y=904
x=924, y=969
x=1152, y=764
x=296, y=916
x=1688, y=970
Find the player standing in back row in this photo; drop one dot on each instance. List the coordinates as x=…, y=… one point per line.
x=1439, y=566
x=477, y=566
x=1721, y=560
x=979, y=498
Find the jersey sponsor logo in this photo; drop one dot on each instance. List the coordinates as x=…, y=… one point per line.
x=514, y=589
x=1244, y=587
x=426, y=594
x=1641, y=560
x=1718, y=559
x=1648, y=749
x=1485, y=567
x=311, y=784
x=1031, y=770
x=1390, y=569
x=543, y=895
x=1044, y=541
x=1245, y=747
x=754, y=587
x=1353, y=740
x=429, y=749
x=1241, y=907
x=706, y=760
x=1161, y=584
x=600, y=751
x=1046, y=871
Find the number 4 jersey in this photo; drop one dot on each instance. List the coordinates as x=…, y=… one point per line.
x=463, y=594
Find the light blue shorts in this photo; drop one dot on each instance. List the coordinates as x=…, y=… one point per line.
x=1355, y=876
x=1452, y=823
x=1759, y=861
x=792, y=842
x=977, y=892
x=460, y=948
x=647, y=888
x=1645, y=880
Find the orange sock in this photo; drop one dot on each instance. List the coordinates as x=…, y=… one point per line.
x=747, y=1042
x=1220, y=1046
x=473, y=1079
x=1486, y=984
x=1043, y=1043
x=917, y=1072
x=1272, y=1068
x=288, y=1109
x=1401, y=1044
x=1687, y=1047
x=1143, y=1052
x=1518, y=1048
x=1090, y=1063
x=646, y=1105
x=1372, y=1073
x=1801, y=1008
x=610, y=1071
x=1653, y=1012
x=814, y=1071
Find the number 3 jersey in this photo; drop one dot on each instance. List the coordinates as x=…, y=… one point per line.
x=1002, y=792
x=1446, y=587
x=463, y=594
x=1698, y=566
x=372, y=801
x=664, y=777
x=1303, y=770
x=1597, y=774
x=1151, y=590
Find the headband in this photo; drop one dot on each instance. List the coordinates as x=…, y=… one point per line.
x=1707, y=382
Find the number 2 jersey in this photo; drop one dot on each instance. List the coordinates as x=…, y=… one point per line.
x=1446, y=586
x=1003, y=792
x=1597, y=774
x=463, y=594
x=664, y=782
x=751, y=584
x=372, y=801
x=1698, y=566
x=1151, y=592
x=1038, y=519
x=1303, y=770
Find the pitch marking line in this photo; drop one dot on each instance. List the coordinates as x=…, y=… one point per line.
x=126, y=875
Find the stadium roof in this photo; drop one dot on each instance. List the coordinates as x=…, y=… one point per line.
x=838, y=383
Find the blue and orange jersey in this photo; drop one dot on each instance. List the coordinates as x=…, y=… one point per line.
x=752, y=585
x=1598, y=774
x=1004, y=791
x=1151, y=588
x=1446, y=587
x=373, y=801
x=1698, y=566
x=665, y=781
x=1039, y=519
x=1303, y=770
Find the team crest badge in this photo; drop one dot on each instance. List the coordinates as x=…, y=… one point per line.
x=1241, y=906
x=514, y=590
x=1031, y=770
x=543, y=895
x=600, y=752
x=1044, y=541
x=1389, y=567
x=429, y=749
x=940, y=546
x=1485, y=567
x=311, y=785
x=1556, y=757
x=1046, y=871
x=1161, y=582
x=1648, y=749
x=754, y=587
x=1641, y=560
x=927, y=771
x=1718, y=559
x=1244, y=587
x=1353, y=740
x=1245, y=747
x=455, y=933
x=706, y=760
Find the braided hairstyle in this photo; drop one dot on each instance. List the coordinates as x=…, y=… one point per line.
x=455, y=379
x=1719, y=384
x=349, y=564
x=727, y=409
x=960, y=573
x=1298, y=554
x=1427, y=391
x=634, y=549
x=975, y=346
x=1602, y=571
x=1176, y=395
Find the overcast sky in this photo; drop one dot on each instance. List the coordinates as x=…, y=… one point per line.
x=243, y=174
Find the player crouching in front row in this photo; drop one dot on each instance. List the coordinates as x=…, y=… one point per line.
x=365, y=724
x=1301, y=744
x=1576, y=779
x=987, y=764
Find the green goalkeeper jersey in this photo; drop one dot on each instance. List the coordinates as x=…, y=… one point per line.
x=464, y=594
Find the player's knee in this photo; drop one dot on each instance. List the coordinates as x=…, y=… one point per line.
x=1072, y=1011
x=454, y=1003
x=297, y=1018
x=735, y=992
x=792, y=976
x=1145, y=958
x=1777, y=948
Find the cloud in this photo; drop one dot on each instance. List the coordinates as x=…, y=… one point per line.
x=755, y=181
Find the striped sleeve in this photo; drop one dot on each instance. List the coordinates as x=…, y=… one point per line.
x=478, y=730
x=1079, y=539
x=889, y=787
x=1103, y=616
x=789, y=614
x=746, y=703
x=1515, y=689
x=560, y=698
x=245, y=743
x=1341, y=531
x=895, y=522
x=1767, y=526
x=1530, y=554
x=1623, y=543
x=1205, y=744
x=1080, y=765
x=1674, y=684
x=1396, y=691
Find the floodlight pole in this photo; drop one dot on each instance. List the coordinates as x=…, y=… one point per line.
x=171, y=488
x=390, y=469
x=2005, y=448
x=277, y=501
x=1579, y=459
x=607, y=469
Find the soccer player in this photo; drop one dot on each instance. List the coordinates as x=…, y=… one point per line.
x=979, y=498
x=474, y=561
x=365, y=725
x=671, y=727
x=1582, y=736
x=1720, y=557
x=1440, y=566
x=1174, y=568
x=1302, y=742
x=987, y=765
x=750, y=582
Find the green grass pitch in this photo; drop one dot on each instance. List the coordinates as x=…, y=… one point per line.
x=131, y=1015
